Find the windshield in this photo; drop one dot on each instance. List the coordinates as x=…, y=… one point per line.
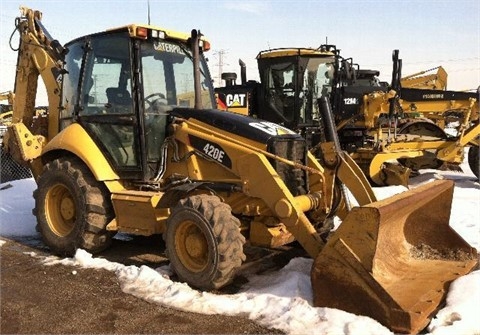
x=293, y=85
x=168, y=76
x=168, y=82
x=317, y=82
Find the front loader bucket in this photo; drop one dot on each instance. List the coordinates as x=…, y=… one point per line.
x=393, y=260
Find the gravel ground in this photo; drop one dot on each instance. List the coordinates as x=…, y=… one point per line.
x=38, y=299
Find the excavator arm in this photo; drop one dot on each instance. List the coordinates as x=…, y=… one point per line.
x=38, y=55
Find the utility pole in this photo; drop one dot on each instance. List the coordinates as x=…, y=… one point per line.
x=220, y=55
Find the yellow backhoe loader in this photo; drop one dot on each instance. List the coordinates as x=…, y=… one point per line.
x=134, y=144
x=390, y=130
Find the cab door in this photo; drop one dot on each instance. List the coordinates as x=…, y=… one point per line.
x=103, y=100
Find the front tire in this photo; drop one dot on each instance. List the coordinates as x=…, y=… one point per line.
x=204, y=242
x=72, y=208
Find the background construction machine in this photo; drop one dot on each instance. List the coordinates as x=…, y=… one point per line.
x=6, y=109
x=427, y=79
x=129, y=148
x=9, y=168
x=389, y=130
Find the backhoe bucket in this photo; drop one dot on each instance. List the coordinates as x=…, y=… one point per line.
x=393, y=260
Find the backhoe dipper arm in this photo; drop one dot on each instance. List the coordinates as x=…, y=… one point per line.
x=38, y=54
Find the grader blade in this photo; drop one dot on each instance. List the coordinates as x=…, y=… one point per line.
x=393, y=260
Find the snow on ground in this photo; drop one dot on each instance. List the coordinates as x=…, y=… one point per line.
x=283, y=299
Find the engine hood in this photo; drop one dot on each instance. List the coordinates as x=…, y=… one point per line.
x=254, y=129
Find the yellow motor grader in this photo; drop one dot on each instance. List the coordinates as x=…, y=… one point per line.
x=427, y=79
x=134, y=144
x=388, y=129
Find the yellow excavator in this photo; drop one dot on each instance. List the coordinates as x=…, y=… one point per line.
x=390, y=130
x=134, y=143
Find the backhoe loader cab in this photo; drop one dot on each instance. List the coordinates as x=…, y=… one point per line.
x=120, y=86
x=133, y=144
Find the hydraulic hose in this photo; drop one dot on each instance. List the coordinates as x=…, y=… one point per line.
x=331, y=135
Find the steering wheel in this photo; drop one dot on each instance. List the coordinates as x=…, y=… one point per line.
x=157, y=104
x=150, y=101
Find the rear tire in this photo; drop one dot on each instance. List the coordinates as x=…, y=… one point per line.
x=473, y=160
x=72, y=208
x=204, y=242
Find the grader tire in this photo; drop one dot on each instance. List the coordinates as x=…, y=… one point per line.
x=204, y=242
x=425, y=129
x=473, y=160
x=72, y=208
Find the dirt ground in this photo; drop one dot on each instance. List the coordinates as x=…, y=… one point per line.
x=38, y=299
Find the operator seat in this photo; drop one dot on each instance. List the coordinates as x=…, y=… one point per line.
x=119, y=97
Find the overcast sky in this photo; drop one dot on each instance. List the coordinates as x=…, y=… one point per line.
x=428, y=33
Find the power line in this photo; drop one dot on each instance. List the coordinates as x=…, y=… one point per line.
x=458, y=60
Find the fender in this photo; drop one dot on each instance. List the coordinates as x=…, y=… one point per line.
x=175, y=194
x=76, y=140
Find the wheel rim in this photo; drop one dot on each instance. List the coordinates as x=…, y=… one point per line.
x=191, y=246
x=60, y=210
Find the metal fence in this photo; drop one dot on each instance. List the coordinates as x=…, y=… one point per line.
x=10, y=170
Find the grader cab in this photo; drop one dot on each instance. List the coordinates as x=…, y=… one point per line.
x=389, y=130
